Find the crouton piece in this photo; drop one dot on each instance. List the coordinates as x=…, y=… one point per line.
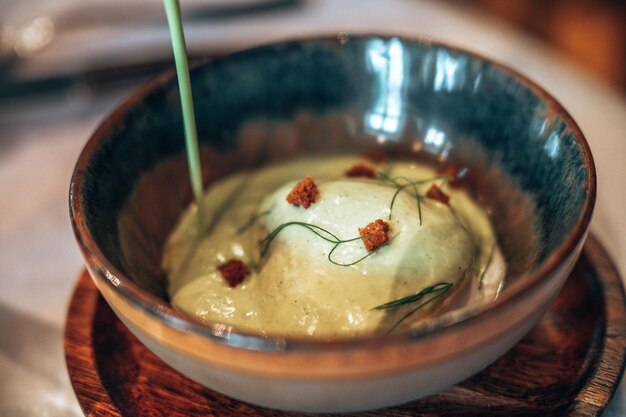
x=435, y=193
x=304, y=193
x=234, y=272
x=375, y=234
x=361, y=170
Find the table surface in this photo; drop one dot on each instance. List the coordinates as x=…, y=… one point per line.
x=40, y=140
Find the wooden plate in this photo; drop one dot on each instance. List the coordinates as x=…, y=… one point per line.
x=569, y=364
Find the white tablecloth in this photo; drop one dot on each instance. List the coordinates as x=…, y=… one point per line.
x=39, y=142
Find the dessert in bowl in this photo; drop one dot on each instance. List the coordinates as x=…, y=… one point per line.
x=490, y=132
x=357, y=247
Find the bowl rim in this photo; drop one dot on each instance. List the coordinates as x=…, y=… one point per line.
x=218, y=332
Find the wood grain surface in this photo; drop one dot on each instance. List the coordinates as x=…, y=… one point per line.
x=568, y=364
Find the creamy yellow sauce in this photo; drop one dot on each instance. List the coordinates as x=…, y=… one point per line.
x=294, y=288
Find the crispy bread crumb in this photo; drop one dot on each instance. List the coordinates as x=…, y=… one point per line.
x=375, y=234
x=304, y=193
x=361, y=170
x=435, y=193
x=234, y=272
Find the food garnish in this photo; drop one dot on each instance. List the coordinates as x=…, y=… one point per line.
x=408, y=183
x=340, y=211
x=375, y=234
x=253, y=218
x=361, y=170
x=435, y=193
x=489, y=260
x=322, y=233
x=304, y=193
x=234, y=272
x=437, y=291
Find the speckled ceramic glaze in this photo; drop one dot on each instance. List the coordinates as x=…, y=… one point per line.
x=522, y=155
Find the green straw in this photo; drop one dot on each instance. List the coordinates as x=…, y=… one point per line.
x=172, y=9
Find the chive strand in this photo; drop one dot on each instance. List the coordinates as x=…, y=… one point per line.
x=439, y=289
x=418, y=307
x=322, y=233
x=489, y=260
x=251, y=220
x=319, y=231
x=330, y=254
x=414, y=297
x=172, y=10
x=413, y=184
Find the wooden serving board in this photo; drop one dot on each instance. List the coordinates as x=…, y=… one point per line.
x=569, y=364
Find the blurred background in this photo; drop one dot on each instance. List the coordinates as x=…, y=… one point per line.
x=64, y=64
x=591, y=32
x=52, y=45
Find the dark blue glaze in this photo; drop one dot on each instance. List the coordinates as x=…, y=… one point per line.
x=369, y=92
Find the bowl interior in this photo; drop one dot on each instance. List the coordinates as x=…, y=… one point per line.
x=522, y=155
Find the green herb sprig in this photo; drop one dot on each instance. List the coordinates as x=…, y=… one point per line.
x=477, y=246
x=489, y=260
x=413, y=185
x=175, y=24
x=251, y=220
x=437, y=291
x=321, y=233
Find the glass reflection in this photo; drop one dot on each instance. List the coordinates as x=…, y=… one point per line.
x=435, y=142
x=434, y=138
x=387, y=62
x=451, y=73
x=445, y=72
x=552, y=145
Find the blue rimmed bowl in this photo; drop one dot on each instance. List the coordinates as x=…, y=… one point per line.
x=522, y=156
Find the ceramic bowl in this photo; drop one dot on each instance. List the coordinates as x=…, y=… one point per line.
x=522, y=156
